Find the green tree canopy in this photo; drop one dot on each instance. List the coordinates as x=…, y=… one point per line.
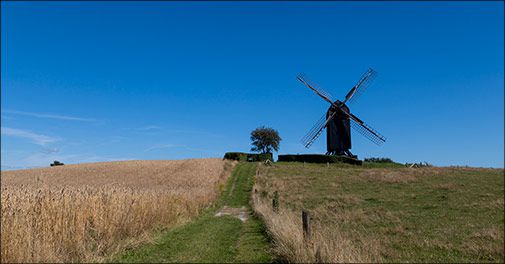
x=265, y=139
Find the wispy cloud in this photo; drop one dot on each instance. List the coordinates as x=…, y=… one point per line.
x=50, y=116
x=164, y=146
x=145, y=128
x=193, y=132
x=33, y=137
x=111, y=140
x=50, y=150
x=97, y=158
x=204, y=150
x=159, y=129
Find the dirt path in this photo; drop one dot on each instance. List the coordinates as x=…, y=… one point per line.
x=226, y=233
x=241, y=213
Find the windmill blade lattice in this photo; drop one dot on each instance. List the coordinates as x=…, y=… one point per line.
x=365, y=81
x=314, y=87
x=368, y=132
x=315, y=131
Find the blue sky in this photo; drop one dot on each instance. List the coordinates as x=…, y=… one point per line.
x=90, y=81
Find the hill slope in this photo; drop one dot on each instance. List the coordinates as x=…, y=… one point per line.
x=364, y=214
x=139, y=174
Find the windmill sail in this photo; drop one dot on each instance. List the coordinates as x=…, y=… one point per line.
x=365, y=80
x=316, y=130
x=367, y=131
x=314, y=87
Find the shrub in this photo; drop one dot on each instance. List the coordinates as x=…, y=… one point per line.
x=240, y=156
x=379, y=160
x=56, y=163
x=318, y=158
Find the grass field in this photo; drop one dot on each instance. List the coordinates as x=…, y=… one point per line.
x=379, y=214
x=211, y=239
x=86, y=212
x=140, y=211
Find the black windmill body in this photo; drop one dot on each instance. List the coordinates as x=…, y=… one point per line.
x=338, y=130
x=338, y=119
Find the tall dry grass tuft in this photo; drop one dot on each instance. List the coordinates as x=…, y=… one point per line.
x=326, y=245
x=58, y=222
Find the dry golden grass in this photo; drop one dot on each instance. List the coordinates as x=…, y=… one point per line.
x=86, y=212
x=386, y=176
x=362, y=214
x=326, y=245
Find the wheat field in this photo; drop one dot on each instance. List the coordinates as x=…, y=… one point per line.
x=89, y=212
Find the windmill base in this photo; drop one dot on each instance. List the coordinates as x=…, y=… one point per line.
x=344, y=153
x=318, y=158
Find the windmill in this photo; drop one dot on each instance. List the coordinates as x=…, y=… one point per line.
x=338, y=119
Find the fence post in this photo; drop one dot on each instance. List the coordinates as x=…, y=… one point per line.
x=275, y=202
x=318, y=255
x=327, y=165
x=306, y=226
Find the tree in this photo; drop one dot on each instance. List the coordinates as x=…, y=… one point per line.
x=265, y=139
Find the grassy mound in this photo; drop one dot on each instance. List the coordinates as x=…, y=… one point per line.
x=383, y=214
x=318, y=158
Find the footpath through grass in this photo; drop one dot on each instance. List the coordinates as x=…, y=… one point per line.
x=210, y=238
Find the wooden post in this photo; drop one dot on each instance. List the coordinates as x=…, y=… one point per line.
x=318, y=255
x=306, y=225
x=275, y=202
x=327, y=164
